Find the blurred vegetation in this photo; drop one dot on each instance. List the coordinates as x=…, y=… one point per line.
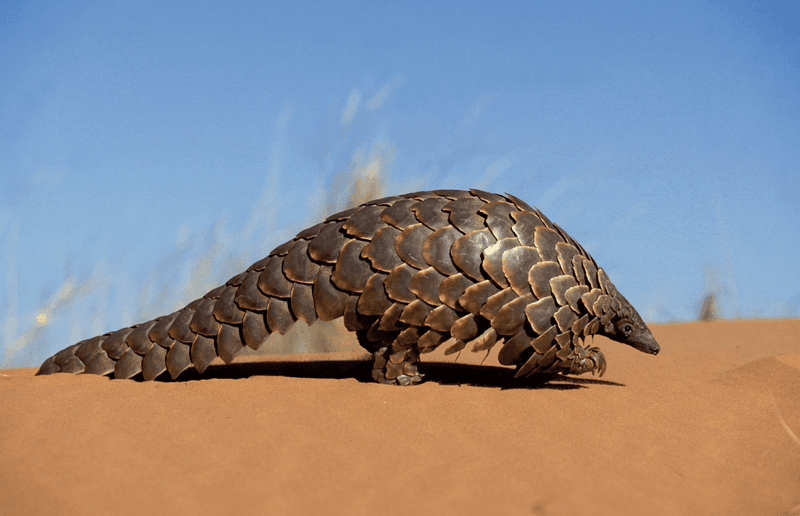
x=198, y=262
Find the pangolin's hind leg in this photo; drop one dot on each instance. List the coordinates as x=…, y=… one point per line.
x=393, y=362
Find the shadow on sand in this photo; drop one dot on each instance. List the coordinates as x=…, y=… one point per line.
x=436, y=372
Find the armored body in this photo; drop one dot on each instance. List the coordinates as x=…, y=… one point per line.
x=408, y=273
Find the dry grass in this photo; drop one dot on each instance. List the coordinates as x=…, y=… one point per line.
x=196, y=263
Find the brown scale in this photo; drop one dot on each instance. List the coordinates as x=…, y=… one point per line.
x=138, y=339
x=539, y=314
x=202, y=352
x=388, y=321
x=415, y=313
x=408, y=245
x=154, y=362
x=180, y=330
x=365, y=222
x=429, y=212
x=525, y=227
x=496, y=302
x=297, y=266
x=493, y=259
x=203, y=322
x=465, y=216
x=426, y=284
x=398, y=282
x=351, y=271
x=441, y=318
x=408, y=274
x=475, y=296
x=487, y=196
x=498, y=219
x=226, y=309
x=327, y=244
x=452, y=288
x=511, y=317
x=516, y=264
x=380, y=251
x=373, y=300
x=467, y=250
x=539, y=278
x=436, y=249
x=329, y=301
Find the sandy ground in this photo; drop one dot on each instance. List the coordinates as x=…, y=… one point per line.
x=709, y=426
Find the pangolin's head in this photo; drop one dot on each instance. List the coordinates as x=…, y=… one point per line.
x=627, y=326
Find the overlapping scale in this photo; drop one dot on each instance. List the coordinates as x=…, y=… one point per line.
x=559, y=286
x=566, y=253
x=398, y=282
x=415, y=313
x=202, y=352
x=425, y=284
x=254, y=330
x=159, y=333
x=498, y=218
x=329, y=301
x=429, y=212
x=351, y=272
x=373, y=300
x=302, y=303
x=539, y=277
x=496, y=302
x=408, y=245
x=226, y=310
x=381, y=252
x=467, y=250
x=511, y=317
x=388, y=321
x=203, y=322
x=493, y=259
x=464, y=214
x=178, y=359
x=229, y=343
x=525, y=227
x=452, y=288
x=297, y=266
x=399, y=214
x=475, y=296
x=115, y=345
x=485, y=341
x=540, y=313
x=513, y=348
x=517, y=263
x=441, y=318
x=138, y=339
x=436, y=250
x=465, y=328
x=545, y=241
x=88, y=348
x=365, y=222
x=271, y=280
x=278, y=317
x=101, y=365
x=328, y=243
x=486, y=196
x=154, y=363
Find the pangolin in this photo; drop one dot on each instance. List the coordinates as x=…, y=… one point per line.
x=408, y=273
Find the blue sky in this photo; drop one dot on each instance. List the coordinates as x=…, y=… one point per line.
x=664, y=136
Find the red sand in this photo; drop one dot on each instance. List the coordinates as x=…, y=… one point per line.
x=710, y=426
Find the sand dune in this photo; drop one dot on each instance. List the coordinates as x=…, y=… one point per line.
x=709, y=426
